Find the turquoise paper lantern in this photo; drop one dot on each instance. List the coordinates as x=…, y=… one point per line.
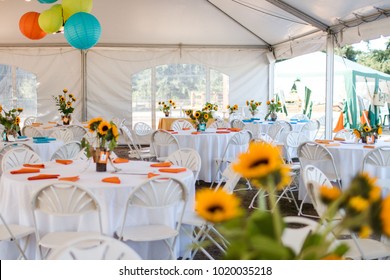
x=82, y=31
x=47, y=1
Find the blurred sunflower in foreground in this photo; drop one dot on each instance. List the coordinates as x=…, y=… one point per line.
x=259, y=235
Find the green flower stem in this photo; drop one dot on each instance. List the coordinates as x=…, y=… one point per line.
x=276, y=217
x=261, y=201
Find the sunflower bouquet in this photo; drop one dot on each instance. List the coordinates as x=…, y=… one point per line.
x=253, y=106
x=65, y=102
x=367, y=132
x=166, y=107
x=199, y=117
x=232, y=109
x=10, y=120
x=259, y=235
x=273, y=108
x=209, y=107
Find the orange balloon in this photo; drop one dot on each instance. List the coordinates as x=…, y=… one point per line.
x=29, y=26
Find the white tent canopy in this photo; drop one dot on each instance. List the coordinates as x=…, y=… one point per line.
x=239, y=38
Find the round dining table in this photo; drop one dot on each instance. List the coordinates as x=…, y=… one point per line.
x=16, y=192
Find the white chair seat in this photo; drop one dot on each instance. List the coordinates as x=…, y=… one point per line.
x=57, y=239
x=372, y=249
x=18, y=231
x=148, y=233
x=191, y=218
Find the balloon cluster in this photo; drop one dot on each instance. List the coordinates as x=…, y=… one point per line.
x=81, y=29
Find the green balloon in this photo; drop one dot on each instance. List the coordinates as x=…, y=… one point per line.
x=71, y=7
x=57, y=8
x=50, y=21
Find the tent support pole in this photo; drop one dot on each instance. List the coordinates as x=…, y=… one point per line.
x=329, y=85
x=83, y=96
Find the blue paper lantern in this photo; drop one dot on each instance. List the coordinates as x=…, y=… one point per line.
x=82, y=30
x=47, y=1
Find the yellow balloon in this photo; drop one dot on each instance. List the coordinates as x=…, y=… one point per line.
x=71, y=7
x=50, y=21
x=57, y=8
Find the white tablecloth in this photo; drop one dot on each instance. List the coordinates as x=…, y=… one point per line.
x=210, y=146
x=44, y=150
x=16, y=193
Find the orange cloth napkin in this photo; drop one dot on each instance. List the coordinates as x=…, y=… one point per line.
x=52, y=122
x=26, y=170
x=236, y=129
x=338, y=139
x=120, y=160
x=332, y=144
x=64, y=161
x=47, y=127
x=44, y=176
x=113, y=180
x=161, y=164
x=195, y=132
x=173, y=132
x=369, y=147
x=34, y=165
x=172, y=170
x=323, y=141
x=71, y=179
x=151, y=175
x=223, y=131
x=186, y=128
x=35, y=124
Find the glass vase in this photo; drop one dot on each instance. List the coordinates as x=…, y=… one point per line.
x=202, y=127
x=66, y=119
x=100, y=157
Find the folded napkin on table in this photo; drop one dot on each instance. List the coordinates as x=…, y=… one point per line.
x=236, y=129
x=173, y=170
x=223, y=131
x=323, y=141
x=338, y=139
x=52, y=122
x=51, y=139
x=64, y=161
x=22, y=137
x=71, y=179
x=151, y=175
x=195, y=132
x=41, y=141
x=44, y=176
x=113, y=180
x=120, y=160
x=26, y=170
x=369, y=146
x=34, y=165
x=173, y=132
x=186, y=128
x=222, y=128
x=161, y=164
x=39, y=137
x=47, y=127
x=35, y=124
x=332, y=144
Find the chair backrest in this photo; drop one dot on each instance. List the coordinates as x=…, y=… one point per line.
x=286, y=128
x=158, y=194
x=311, y=128
x=318, y=155
x=65, y=199
x=162, y=138
x=219, y=123
x=29, y=120
x=378, y=157
x=237, y=123
x=63, y=134
x=132, y=145
x=274, y=131
x=292, y=142
x=235, y=116
x=187, y=157
x=77, y=131
x=229, y=179
x=178, y=125
x=142, y=129
x=18, y=156
x=94, y=248
x=346, y=134
x=255, y=129
x=70, y=150
x=31, y=131
x=300, y=117
x=241, y=138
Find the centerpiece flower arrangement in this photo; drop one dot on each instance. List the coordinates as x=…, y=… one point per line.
x=10, y=120
x=273, y=108
x=104, y=139
x=166, y=107
x=64, y=103
x=199, y=117
x=253, y=106
x=259, y=235
x=367, y=132
x=232, y=109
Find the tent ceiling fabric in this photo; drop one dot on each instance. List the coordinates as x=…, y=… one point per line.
x=254, y=23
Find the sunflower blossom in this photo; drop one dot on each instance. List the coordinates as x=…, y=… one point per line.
x=358, y=203
x=385, y=216
x=217, y=206
x=329, y=194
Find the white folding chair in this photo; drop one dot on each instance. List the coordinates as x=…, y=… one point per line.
x=77, y=131
x=18, y=156
x=63, y=202
x=187, y=157
x=31, y=131
x=202, y=230
x=300, y=117
x=286, y=128
x=345, y=135
x=63, y=134
x=310, y=129
x=313, y=179
x=135, y=150
x=29, y=120
x=162, y=139
x=237, y=123
x=178, y=125
x=15, y=233
x=156, y=196
x=273, y=133
x=70, y=150
x=219, y=123
x=94, y=248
